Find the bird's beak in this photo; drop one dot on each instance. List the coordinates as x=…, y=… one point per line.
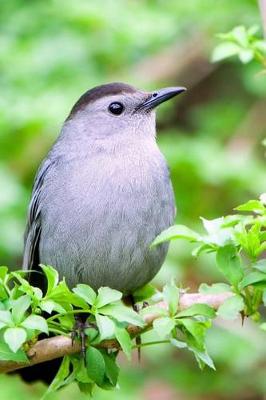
x=159, y=97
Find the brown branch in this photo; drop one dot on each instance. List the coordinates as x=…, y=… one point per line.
x=58, y=346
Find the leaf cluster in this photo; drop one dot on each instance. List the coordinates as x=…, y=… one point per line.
x=243, y=43
x=239, y=243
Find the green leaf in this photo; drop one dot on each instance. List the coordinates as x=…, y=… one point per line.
x=260, y=265
x=246, y=55
x=111, y=368
x=51, y=276
x=7, y=355
x=60, y=378
x=251, y=278
x=3, y=272
x=95, y=365
x=224, y=50
x=231, y=308
x=122, y=314
x=171, y=297
x=177, y=232
x=63, y=296
x=5, y=318
x=197, y=309
x=35, y=322
x=196, y=329
x=217, y=234
x=144, y=293
x=255, y=206
x=86, y=293
x=15, y=337
x=178, y=343
x=215, y=288
x=106, y=326
x=19, y=308
x=107, y=295
x=86, y=388
x=240, y=34
x=163, y=326
x=124, y=340
x=50, y=305
x=228, y=262
x=203, y=358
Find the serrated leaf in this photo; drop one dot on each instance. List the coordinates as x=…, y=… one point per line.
x=171, y=297
x=95, y=365
x=107, y=295
x=197, y=309
x=231, y=308
x=106, y=326
x=15, y=337
x=122, y=314
x=176, y=232
x=228, y=262
x=86, y=293
x=215, y=288
x=35, y=322
x=124, y=340
x=163, y=326
x=51, y=276
x=19, y=308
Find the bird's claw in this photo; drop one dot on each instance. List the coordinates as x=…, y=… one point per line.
x=78, y=332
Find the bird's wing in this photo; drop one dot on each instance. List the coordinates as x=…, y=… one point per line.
x=33, y=228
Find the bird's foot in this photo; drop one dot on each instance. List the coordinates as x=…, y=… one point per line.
x=78, y=332
x=129, y=300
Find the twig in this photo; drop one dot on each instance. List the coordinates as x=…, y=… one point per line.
x=58, y=346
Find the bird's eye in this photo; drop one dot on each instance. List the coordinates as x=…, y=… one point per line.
x=116, y=108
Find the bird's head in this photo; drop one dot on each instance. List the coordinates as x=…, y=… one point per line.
x=118, y=109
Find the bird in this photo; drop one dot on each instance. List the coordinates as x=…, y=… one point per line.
x=103, y=193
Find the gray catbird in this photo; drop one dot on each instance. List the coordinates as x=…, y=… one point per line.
x=103, y=192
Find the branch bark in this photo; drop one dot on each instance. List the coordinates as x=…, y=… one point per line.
x=58, y=346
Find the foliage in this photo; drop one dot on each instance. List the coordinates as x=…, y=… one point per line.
x=239, y=242
x=243, y=43
x=22, y=320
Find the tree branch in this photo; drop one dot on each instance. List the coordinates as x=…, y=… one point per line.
x=58, y=346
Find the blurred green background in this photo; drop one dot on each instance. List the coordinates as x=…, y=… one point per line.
x=53, y=51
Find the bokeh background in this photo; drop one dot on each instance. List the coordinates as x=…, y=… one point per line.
x=53, y=51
